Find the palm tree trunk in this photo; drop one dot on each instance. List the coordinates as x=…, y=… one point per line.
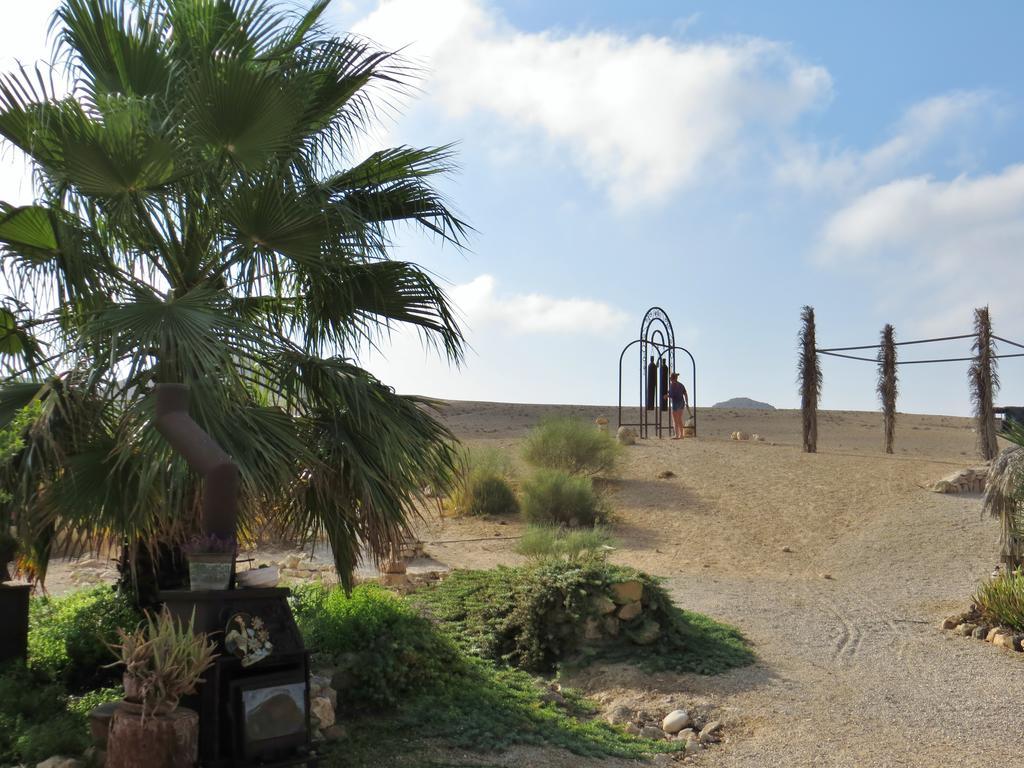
x=888, y=384
x=809, y=372
x=984, y=382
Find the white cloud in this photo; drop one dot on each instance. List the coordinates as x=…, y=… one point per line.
x=942, y=246
x=639, y=116
x=811, y=166
x=23, y=41
x=482, y=305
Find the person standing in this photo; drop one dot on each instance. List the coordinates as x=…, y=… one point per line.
x=678, y=399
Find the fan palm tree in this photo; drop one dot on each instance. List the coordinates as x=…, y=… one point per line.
x=200, y=220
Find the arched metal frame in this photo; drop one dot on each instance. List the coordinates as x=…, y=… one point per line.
x=657, y=336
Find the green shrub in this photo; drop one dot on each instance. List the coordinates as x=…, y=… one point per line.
x=552, y=497
x=380, y=646
x=541, y=542
x=68, y=635
x=487, y=495
x=533, y=617
x=38, y=719
x=1001, y=600
x=572, y=446
x=482, y=485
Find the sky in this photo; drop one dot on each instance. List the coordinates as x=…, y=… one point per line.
x=726, y=161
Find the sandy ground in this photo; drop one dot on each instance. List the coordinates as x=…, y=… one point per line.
x=852, y=669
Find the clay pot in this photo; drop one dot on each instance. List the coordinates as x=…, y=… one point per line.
x=168, y=740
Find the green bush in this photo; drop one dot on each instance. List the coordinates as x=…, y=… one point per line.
x=1001, y=600
x=482, y=485
x=68, y=635
x=572, y=446
x=552, y=497
x=380, y=646
x=541, y=542
x=532, y=618
x=38, y=719
x=487, y=495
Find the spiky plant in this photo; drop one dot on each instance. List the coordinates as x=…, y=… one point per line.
x=201, y=219
x=809, y=374
x=888, y=384
x=984, y=382
x=1004, y=498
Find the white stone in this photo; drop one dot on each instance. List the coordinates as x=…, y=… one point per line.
x=630, y=610
x=675, y=721
x=709, y=732
x=321, y=709
x=627, y=592
x=59, y=761
x=652, y=732
x=619, y=714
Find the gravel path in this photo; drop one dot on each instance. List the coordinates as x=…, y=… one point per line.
x=853, y=671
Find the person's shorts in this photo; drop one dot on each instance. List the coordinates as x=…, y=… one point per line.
x=678, y=407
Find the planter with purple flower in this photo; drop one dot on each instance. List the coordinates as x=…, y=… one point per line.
x=211, y=562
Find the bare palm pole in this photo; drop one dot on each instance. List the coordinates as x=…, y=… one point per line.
x=984, y=381
x=809, y=373
x=888, y=384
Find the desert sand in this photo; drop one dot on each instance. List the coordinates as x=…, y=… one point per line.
x=838, y=567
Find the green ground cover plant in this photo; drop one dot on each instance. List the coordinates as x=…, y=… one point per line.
x=530, y=618
x=39, y=719
x=44, y=705
x=380, y=646
x=556, y=498
x=411, y=684
x=1001, y=600
x=572, y=446
x=69, y=635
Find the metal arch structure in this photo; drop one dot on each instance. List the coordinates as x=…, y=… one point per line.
x=657, y=347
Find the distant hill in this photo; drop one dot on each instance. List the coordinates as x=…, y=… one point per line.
x=743, y=402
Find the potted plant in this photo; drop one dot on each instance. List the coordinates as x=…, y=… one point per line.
x=211, y=561
x=163, y=660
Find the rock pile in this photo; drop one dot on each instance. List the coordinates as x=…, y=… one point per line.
x=92, y=570
x=970, y=480
x=626, y=436
x=696, y=729
x=746, y=436
x=621, y=613
x=971, y=624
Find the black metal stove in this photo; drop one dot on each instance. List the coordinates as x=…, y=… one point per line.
x=251, y=713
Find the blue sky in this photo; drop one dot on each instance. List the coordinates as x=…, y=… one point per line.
x=727, y=161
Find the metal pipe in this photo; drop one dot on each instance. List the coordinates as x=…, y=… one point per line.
x=204, y=455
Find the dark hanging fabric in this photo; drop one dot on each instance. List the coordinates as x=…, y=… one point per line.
x=652, y=383
x=663, y=382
